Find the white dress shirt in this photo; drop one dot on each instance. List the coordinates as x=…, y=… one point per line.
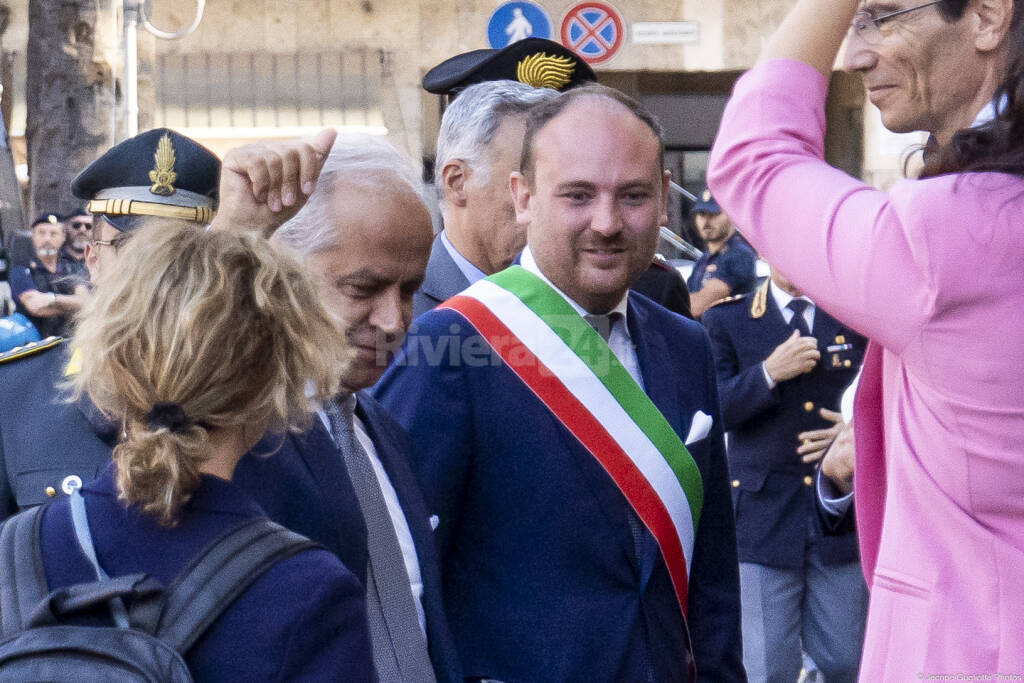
x=471, y=272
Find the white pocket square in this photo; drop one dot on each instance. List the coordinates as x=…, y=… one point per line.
x=700, y=427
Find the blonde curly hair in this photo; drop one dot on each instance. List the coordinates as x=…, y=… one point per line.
x=222, y=328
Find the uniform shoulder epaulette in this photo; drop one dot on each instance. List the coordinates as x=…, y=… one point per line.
x=30, y=349
x=729, y=299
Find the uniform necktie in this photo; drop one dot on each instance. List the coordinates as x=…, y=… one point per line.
x=399, y=647
x=798, y=306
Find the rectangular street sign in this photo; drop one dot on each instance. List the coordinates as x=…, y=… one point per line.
x=666, y=32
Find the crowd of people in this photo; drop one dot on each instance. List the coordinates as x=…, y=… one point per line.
x=507, y=441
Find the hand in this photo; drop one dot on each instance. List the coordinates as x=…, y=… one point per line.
x=263, y=184
x=838, y=463
x=814, y=442
x=793, y=357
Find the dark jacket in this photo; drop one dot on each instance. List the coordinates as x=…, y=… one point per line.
x=773, y=491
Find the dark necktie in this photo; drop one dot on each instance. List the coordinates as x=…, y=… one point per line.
x=798, y=306
x=603, y=325
x=399, y=646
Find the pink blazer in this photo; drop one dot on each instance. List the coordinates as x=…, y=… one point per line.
x=932, y=271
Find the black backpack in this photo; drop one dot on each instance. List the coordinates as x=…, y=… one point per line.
x=151, y=634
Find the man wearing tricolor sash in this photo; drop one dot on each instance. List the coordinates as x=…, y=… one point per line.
x=567, y=432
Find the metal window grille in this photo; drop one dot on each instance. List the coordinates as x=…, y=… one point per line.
x=263, y=90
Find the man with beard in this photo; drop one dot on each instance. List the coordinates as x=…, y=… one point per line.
x=45, y=290
x=478, y=147
x=727, y=266
x=567, y=431
x=77, y=233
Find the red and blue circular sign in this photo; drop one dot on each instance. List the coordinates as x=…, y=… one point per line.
x=593, y=30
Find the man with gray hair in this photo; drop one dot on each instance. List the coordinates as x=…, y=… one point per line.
x=478, y=148
x=346, y=482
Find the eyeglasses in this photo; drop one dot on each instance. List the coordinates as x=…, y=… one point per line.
x=116, y=243
x=869, y=28
x=80, y=225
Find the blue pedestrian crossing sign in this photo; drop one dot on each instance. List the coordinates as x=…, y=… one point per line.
x=514, y=21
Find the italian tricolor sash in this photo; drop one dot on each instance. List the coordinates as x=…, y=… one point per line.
x=570, y=368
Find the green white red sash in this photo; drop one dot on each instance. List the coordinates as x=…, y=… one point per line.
x=576, y=376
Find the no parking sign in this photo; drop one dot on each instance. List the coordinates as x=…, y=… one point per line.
x=593, y=30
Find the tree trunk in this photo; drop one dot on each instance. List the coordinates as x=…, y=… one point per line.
x=12, y=215
x=73, y=94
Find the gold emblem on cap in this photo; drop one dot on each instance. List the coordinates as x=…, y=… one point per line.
x=706, y=196
x=545, y=71
x=163, y=176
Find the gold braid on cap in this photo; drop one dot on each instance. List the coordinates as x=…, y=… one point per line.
x=133, y=207
x=543, y=71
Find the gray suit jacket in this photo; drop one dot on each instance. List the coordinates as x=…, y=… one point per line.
x=443, y=280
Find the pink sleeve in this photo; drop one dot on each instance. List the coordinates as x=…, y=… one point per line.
x=841, y=241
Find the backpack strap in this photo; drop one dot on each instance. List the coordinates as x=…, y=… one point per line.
x=80, y=522
x=21, y=565
x=218, y=575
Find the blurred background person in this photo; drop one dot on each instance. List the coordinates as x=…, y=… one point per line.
x=728, y=265
x=77, y=233
x=938, y=420
x=47, y=290
x=206, y=340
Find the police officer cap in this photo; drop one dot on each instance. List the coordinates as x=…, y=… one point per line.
x=46, y=218
x=535, y=61
x=156, y=173
x=706, y=203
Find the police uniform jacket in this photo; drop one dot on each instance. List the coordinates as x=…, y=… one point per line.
x=48, y=446
x=734, y=264
x=773, y=491
x=304, y=619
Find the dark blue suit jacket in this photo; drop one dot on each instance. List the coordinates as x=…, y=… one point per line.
x=305, y=487
x=773, y=490
x=305, y=619
x=542, y=582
